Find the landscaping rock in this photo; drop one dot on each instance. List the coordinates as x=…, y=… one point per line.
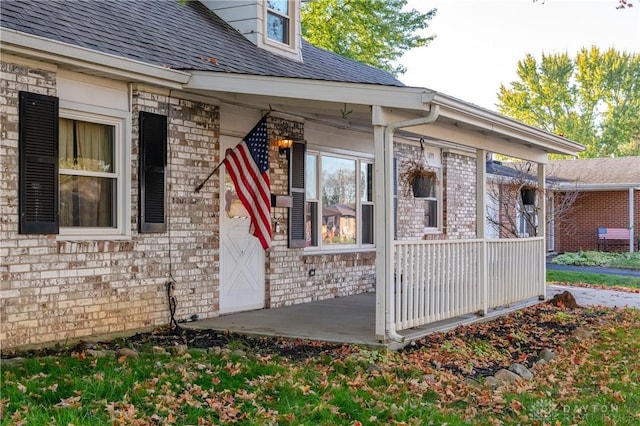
x=506, y=376
x=521, y=371
x=547, y=355
x=127, y=352
x=564, y=299
x=178, y=350
x=492, y=382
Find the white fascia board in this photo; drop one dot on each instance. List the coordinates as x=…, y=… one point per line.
x=317, y=90
x=597, y=186
x=45, y=49
x=492, y=142
x=479, y=117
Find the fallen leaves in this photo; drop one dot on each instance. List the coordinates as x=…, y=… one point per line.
x=302, y=382
x=71, y=402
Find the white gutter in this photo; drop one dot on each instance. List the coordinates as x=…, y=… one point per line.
x=395, y=97
x=596, y=186
x=390, y=280
x=44, y=49
x=412, y=98
x=474, y=115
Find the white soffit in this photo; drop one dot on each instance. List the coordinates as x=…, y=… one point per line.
x=90, y=61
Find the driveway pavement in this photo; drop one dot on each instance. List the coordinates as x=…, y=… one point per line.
x=596, y=296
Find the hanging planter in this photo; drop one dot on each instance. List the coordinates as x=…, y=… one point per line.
x=419, y=177
x=423, y=185
x=528, y=195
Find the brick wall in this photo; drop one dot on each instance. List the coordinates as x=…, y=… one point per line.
x=288, y=280
x=458, y=182
x=593, y=210
x=459, y=195
x=55, y=290
x=410, y=212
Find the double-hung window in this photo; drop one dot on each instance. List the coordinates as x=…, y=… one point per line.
x=338, y=201
x=279, y=21
x=432, y=209
x=89, y=175
x=74, y=169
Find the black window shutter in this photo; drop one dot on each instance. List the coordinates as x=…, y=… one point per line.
x=153, y=165
x=296, y=188
x=38, y=164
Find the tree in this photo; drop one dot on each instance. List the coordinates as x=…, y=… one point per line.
x=374, y=32
x=594, y=99
x=512, y=217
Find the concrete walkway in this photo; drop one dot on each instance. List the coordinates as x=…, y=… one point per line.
x=596, y=296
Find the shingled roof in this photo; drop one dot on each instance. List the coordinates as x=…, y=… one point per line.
x=185, y=36
x=594, y=171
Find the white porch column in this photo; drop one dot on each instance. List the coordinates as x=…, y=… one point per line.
x=481, y=193
x=542, y=226
x=383, y=155
x=481, y=223
x=379, y=208
x=631, y=224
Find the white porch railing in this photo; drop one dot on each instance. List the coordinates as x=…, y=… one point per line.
x=436, y=280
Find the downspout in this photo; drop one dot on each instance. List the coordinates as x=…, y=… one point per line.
x=390, y=250
x=631, y=224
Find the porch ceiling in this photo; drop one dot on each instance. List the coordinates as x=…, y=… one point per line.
x=348, y=105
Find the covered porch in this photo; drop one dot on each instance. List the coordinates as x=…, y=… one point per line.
x=420, y=283
x=349, y=319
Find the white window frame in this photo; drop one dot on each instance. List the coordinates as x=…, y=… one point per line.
x=289, y=28
x=438, y=199
x=359, y=159
x=524, y=228
x=120, y=120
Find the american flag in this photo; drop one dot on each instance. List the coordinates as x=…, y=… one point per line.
x=248, y=166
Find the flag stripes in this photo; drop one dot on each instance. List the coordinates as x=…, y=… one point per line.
x=248, y=167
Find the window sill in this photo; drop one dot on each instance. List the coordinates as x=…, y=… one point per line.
x=89, y=237
x=318, y=252
x=433, y=231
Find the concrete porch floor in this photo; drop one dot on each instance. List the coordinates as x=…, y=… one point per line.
x=349, y=319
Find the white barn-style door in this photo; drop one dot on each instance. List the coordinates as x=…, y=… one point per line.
x=242, y=266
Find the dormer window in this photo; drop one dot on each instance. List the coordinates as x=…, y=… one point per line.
x=278, y=21
x=272, y=25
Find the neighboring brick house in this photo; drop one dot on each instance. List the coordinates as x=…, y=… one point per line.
x=113, y=113
x=609, y=197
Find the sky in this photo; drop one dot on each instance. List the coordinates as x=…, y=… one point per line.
x=479, y=42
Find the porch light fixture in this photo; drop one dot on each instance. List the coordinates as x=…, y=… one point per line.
x=284, y=145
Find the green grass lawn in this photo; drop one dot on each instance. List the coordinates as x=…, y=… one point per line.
x=438, y=380
x=568, y=277
x=595, y=258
